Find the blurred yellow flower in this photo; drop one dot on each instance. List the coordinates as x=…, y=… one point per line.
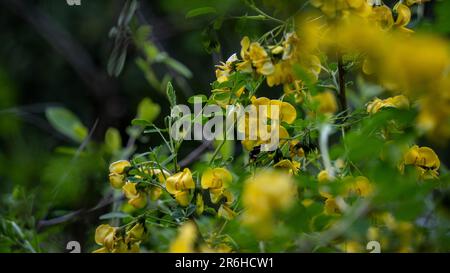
x=265, y=193
x=326, y=102
x=360, y=186
x=400, y=102
x=331, y=207
x=291, y=165
x=185, y=240
x=333, y=8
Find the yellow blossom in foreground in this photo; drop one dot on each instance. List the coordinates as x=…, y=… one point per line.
x=137, y=199
x=424, y=159
x=185, y=240
x=264, y=194
x=326, y=102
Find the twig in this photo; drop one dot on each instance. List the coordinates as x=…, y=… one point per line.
x=195, y=154
x=341, y=75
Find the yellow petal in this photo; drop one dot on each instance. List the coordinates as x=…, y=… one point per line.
x=102, y=232
x=116, y=180
x=119, y=166
x=130, y=191
x=404, y=15
x=182, y=198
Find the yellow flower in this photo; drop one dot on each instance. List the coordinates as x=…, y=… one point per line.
x=182, y=198
x=180, y=181
x=105, y=236
x=117, y=173
x=226, y=212
x=400, y=102
x=424, y=159
x=137, y=199
x=361, y=186
x=352, y=247
x=264, y=194
x=224, y=70
x=287, y=112
x=412, y=2
x=333, y=8
x=185, y=241
x=295, y=149
x=323, y=176
x=216, y=178
x=254, y=55
x=116, y=180
x=326, y=102
x=260, y=59
x=403, y=17
x=292, y=166
x=119, y=166
x=382, y=16
x=135, y=234
x=331, y=207
x=179, y=185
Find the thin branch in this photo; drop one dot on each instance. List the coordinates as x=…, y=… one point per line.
x=195, y=154
x=341, y=75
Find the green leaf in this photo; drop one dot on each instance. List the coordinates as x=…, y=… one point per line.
x=148, y=110
x=113, y=140
x=140, y=122
x=66, y=123
x=171, y=96
x=200, y=11
x=178, y=67
x=113, y=215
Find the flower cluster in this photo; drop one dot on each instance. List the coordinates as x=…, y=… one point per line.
x=117, y=240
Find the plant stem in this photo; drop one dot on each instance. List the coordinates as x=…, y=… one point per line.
x=216, y=152
x=341, y=74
